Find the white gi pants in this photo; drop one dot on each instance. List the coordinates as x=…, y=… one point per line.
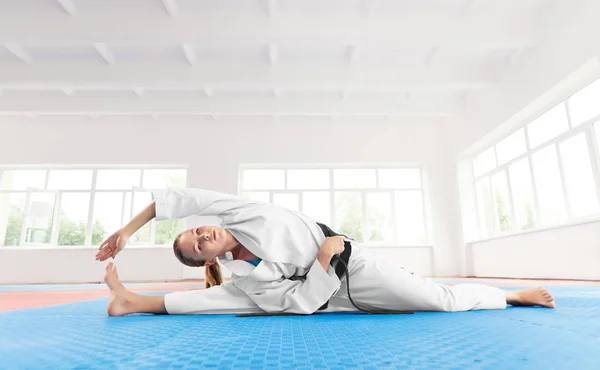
x=375, y=284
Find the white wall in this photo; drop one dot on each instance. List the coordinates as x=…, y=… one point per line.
x=214, y=150
x=570, y=252
x=565, y=63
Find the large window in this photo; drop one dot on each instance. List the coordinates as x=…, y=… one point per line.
x=378, y=206
x=543, y=174
x=81, y=206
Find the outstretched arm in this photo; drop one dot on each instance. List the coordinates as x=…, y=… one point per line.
x=117, y=241
x=140, y=219
x=174, y=203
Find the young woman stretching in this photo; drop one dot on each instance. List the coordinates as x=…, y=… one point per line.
x=281, y=262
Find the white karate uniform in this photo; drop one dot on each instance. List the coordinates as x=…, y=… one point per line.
x=288, y=243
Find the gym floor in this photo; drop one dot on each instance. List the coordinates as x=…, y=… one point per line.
x=66, y=326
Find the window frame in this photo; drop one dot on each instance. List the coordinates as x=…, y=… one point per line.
x=92, y=191
x=331, y=190
x=586, y=128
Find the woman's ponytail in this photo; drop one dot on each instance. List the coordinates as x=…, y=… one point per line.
x=213, y=275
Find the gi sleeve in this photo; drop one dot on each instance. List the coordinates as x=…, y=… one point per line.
x=172, y=203
x=297, y=296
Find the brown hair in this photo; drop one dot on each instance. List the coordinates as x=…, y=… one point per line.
x=212, y=273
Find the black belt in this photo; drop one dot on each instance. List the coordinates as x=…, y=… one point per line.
x=344, y=256
x=340, y=265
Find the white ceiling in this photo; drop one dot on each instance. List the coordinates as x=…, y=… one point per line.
x=416, y=58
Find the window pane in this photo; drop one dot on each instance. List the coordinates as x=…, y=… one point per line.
x=140, y=201
x=579, y=179
x=261, y=196
x=502, y=199
x=484, y=162
x=511, y=147
x=69, y=180
x=379, y=217
x=400, y=178
x=486, y=207
x=107, y=215
x=585, y=104
x=73, y=218
x=522, y=193
x=118, y=179
x=349, y=214
x=410, y=217
x=308, y=179
x=127, y=210
x=38, y=224
x=264, y=179
x=354, y=179
x=168, y=230
x=549, y=187
x=12, y=209
x=317, y=205
x=159, y=179
x=22, y=179
x=548, y=126
x=289, y=201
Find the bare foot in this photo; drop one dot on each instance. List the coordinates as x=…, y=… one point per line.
x=531, y=297
x=120, y=303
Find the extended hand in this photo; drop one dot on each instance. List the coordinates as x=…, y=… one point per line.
x=112, y=246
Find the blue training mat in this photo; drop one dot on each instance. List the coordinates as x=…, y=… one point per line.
x=81, y=336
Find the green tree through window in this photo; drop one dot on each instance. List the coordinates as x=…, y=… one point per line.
x=351, y=224
x=13, y=227
x=168, y=230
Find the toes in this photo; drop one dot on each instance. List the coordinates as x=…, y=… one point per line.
x=109, y=267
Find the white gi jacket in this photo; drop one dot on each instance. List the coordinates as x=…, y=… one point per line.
x=288, y=243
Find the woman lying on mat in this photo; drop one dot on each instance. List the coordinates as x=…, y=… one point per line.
x=284, y=262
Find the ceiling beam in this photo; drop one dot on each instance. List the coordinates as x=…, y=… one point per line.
x=190, y=54
x=67, y=6
x=368, y=7
x=465, y=7
x=171, y=7
x=273, y=54
x=207, y=30
x=105, y=53
x=352, y=52
x=18, y=51
x=512, y=56
x=271, y=8
x=139, y=91
x=330, y=104
x=275, y=90
x=241, y=76
x=431, y=54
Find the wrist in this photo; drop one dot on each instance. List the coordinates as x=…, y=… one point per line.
x=126, y=232
x=324, y=259
x=326, y=253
